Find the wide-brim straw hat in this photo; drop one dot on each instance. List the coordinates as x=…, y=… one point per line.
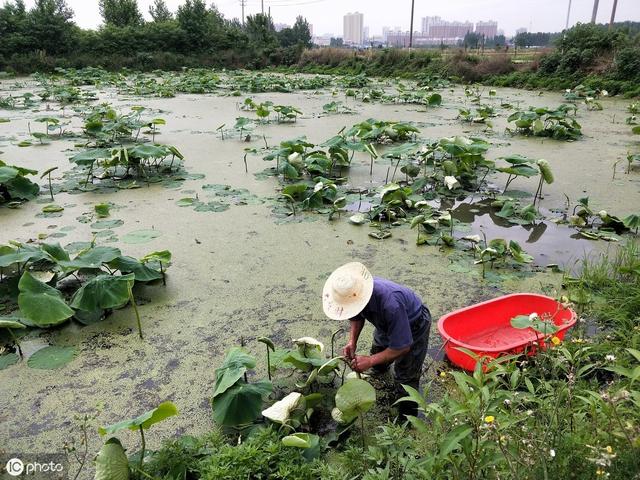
x=347, y=291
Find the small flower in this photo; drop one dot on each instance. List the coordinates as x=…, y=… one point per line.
x=600, y=472
x=555, y=340
x=578, y=340
x=609, y=449
x=610, y=358
x=443, y=374
x=507, y=402
x=533, y=316
x=552, y=452
x=489, y=419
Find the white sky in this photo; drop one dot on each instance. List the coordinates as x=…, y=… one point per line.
x=326, y=15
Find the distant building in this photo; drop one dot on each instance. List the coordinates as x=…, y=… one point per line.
x=323, y=40
x=365, y=35
x=353, y=29
x=487, y=29
x=435, y=28
x=521, y=30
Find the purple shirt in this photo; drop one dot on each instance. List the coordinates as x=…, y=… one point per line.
x=393, y=309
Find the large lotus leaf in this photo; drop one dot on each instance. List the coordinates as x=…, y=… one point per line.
x=141, y=236
x=162, y=411
x=40, y=303
x=142, y=272
x=102, y=292
x=355, y=397
x=22, y=188
x=56, y=252
x=148, y=151
x=52, y=357
x=521, y=170
x=162, y=256
x=240, y=404
x=112, y=462
x=93, y=258
x=518, y=254
x=233, y=367
x=88, y=157
x=7, y=173
x=9, y=256
x=280, y=412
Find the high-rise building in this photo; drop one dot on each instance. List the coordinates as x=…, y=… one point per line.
x=437, y=28
x=488, y=29
x=353, y=28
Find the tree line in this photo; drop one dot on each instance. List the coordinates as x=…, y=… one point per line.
x=47, y=34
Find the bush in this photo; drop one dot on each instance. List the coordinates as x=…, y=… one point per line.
x=627, y=64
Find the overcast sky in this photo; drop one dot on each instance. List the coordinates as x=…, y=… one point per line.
x=326, y=15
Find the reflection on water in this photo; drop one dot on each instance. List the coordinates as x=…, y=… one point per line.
x=547, y=242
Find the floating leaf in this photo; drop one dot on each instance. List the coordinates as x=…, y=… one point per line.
x=8, y=360
x=140, y=236
x=52, y=357
x=52, y=208
x=358, y=219
x=102, y=209
x=142, y=272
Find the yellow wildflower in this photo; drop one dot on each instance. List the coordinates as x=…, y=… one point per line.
x=489, y=419
x=443, y=374
x=600, y=471
x=555, y=340
x=609, y=449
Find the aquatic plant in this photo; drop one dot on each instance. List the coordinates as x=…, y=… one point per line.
x=110, y=464
x=544, y=122
x=15, y=187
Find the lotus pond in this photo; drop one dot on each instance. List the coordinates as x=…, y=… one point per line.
x=166, y=218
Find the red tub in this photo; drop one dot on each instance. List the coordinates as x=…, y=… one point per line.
x=485, y=328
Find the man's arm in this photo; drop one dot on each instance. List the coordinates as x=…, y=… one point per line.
x=349, y=350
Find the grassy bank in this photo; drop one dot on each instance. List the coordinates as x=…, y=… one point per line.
x=572, y=411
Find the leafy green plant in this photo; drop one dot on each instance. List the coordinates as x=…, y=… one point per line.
x=112, y=457
x=15, y=186
x=237, y=402
x=543, y=122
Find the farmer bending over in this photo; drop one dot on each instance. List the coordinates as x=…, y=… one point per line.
x=402, y=323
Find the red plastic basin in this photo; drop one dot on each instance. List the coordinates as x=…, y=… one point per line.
x=485, y=328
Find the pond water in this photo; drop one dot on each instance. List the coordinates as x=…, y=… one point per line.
x=242, y=273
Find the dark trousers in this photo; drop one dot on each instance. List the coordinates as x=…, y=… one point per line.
x=408, y=368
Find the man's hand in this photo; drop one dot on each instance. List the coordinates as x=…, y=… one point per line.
x=361, y=363
x=349, y=350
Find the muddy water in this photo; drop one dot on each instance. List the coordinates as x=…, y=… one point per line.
x=238, y=273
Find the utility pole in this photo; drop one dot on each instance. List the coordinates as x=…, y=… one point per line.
x=595, y=11
x=242, y=4
x=411, y=28
x=566, y=26
x=262, y=7
x=613, y=13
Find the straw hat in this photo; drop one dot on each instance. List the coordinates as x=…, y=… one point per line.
x=347, y=291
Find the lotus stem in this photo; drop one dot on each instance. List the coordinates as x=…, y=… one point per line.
x=333, y=336
x=135, y=309
x=268, y=363
x=143, y=447
x=362, y=431
x=50, y=187
x=246, y=169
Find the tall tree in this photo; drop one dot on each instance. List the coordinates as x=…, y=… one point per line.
x=193, y=18
x=261, y=32
x=51, y=27
x=13, y=28
x=299, y=34
x=159, y=11
x=120, y=13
